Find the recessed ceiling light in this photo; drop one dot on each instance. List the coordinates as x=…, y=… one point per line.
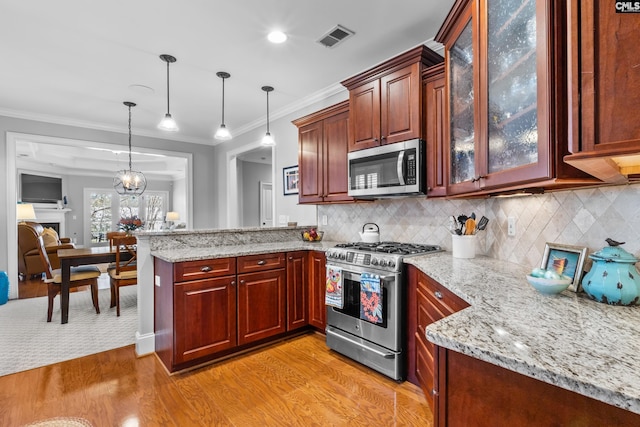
x=277, y=37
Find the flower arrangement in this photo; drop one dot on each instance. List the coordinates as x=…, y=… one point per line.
x=130, y=223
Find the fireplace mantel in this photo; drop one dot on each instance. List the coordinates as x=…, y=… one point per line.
x=53, y=215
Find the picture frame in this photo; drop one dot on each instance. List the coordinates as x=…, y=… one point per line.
x=290, y=180
x=567, y=260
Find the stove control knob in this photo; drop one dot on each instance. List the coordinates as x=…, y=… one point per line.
x=342, y=257
x=383, y=263
x=392, y=264
x=374, y=261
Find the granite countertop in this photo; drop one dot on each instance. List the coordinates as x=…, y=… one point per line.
x=566, y=339
x=222, y=251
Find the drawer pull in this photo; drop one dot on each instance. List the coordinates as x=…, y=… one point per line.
x=262, y=262
x=206, y=269
x=438, y=294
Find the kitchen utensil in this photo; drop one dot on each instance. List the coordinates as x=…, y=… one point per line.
x=613, y=278
x=470, y=226
x=482, y=223
x=370, y=233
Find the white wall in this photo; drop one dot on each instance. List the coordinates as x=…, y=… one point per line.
x=252, y=173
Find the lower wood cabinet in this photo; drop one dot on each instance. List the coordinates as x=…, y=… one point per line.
x=429, y=302
x=317, y=286
x=477, y=393
x=297, y=290
x=207, y=309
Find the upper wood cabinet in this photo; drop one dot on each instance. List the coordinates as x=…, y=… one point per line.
x=604, y=90
x=386, y=101
x=322, y=155
x=506, y=104
x=434, y=128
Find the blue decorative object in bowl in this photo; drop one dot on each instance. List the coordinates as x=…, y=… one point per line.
x=613, y=278
x=549, y=286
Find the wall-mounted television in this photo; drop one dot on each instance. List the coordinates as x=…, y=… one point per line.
x=40, y=189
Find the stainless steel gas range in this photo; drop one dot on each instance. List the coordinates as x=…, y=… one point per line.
x=368, y=322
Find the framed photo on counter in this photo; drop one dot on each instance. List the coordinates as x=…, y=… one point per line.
x=566, y=260
x=290, y=180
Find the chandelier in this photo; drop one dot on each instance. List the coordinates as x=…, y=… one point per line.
x=129, y=182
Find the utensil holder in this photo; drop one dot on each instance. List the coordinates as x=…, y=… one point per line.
x=463, y=246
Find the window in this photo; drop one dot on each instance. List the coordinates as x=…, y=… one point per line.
x=106, y=207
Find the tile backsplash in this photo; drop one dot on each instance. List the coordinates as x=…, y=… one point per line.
x=584, y=217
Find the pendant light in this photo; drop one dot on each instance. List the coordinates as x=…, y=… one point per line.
x=129, y=182
x=167, y=122
x=267, y=139
x=223, y=134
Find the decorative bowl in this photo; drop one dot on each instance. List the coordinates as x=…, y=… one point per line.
x=307, y=238
x=549, y=286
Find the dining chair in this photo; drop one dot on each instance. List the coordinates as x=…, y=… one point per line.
x=112, y=234
x=125, y=270
x=80, y=276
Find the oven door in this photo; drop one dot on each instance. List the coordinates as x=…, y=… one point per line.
x=388, y=333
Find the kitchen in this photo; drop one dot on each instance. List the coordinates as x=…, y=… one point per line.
x=585, y=216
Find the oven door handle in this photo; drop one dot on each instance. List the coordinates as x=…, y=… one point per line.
x=387, y=355
x=356, y=276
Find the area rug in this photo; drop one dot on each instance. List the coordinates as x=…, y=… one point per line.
x=28, y=341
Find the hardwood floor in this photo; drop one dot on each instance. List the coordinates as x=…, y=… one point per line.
x=31, y=288
x=298, y=382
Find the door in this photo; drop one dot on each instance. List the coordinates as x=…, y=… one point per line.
x=297, y=290
x=261, y=305
x=266, y=204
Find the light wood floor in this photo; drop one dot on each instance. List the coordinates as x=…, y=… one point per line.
x=299, y=382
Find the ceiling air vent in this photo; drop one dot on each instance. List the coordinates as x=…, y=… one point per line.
x=336, y=35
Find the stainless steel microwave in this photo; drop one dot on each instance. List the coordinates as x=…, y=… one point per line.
x=389, y=170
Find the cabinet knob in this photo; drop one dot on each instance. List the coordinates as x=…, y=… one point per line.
x=205, y=269
x=262, y=262
x=233, y=283
x=242, y=282
x=383, y=138
x=290, y=258
x=375, y=139
x=438, y=294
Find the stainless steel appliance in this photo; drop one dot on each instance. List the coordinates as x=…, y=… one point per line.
x=381, y=346
x=388, y=170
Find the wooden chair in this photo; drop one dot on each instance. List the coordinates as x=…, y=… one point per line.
x=80, y=276
x=112, y=234
x=125, y=271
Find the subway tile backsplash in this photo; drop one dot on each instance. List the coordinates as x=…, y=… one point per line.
x=584, y=217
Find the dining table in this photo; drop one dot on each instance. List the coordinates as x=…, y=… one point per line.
x=75, y=257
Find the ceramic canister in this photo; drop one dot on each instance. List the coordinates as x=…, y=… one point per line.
x=613, y=278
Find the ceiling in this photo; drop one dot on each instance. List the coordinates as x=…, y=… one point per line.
x=75, y=62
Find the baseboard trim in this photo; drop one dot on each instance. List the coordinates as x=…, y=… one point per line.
x=145, y=344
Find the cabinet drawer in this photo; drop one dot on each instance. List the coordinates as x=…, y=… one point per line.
x=439, y=295
x=252, y=263
x=202, y=269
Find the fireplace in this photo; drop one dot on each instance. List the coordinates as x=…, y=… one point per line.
x=54, y=225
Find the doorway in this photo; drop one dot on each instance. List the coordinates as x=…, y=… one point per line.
x=249, y=168
x=101, y=152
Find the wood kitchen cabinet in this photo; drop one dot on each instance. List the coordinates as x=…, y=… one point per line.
x=430, y=302
x=478, y=393
x=262, y=297
x=433, y=88
x=385, y=102
x=322, y=155
x=297, y=290
x=604, y=91
x=317, y=287
x=195, y=309
x=506, y=97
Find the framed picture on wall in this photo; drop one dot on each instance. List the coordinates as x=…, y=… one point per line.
x=290, y=179
x=566, y=260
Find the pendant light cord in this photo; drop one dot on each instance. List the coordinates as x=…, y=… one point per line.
x=168, y=88
x=267, y=112
x=129, y=137
x=223, y=100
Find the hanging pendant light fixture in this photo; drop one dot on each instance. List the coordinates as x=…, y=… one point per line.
x=267, y=139
x=167, y=122
x=129, y=182
x=223, y=134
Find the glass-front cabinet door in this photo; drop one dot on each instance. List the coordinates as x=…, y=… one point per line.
x=499, y=78
x=461, y=101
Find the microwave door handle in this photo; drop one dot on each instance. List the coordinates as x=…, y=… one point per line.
x=400, y=167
